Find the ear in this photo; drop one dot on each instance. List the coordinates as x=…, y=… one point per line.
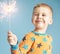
x=50, y=21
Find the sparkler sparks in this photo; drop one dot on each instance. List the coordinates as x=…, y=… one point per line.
x=7, y=9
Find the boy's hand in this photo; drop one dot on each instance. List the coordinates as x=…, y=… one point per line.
x=12, y=39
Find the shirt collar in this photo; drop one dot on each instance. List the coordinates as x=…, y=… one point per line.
x=39, y=34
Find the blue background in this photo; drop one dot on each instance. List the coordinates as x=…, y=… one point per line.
x=21, y=24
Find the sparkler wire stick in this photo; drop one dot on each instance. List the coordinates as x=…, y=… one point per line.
x=7, y=9
x=9, y=17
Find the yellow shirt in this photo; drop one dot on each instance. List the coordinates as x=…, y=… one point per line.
x=34, y=43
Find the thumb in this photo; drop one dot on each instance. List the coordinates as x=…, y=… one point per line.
x=9, y=32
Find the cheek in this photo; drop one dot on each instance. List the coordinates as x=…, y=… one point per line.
x=33, y=19
x=46, y=20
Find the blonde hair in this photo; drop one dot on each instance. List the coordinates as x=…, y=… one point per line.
x=44, y=5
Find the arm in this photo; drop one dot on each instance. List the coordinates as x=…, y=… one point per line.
x=23, y=47
x=12, y=40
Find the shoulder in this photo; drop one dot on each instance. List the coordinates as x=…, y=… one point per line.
x=29, y=34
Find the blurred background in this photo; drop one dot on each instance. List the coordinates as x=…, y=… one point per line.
x=20, y=23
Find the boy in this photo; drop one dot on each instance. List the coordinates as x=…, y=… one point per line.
x=36, y=41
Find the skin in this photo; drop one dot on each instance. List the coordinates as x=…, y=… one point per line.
x=42, y=17
x=12, y=38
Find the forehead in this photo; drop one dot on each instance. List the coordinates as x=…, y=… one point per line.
x=42, y=9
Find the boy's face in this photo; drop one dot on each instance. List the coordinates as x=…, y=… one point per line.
x=42, y=16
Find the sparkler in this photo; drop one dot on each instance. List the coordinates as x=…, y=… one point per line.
x=7, y=9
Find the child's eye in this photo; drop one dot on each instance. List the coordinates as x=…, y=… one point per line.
x=43, y=15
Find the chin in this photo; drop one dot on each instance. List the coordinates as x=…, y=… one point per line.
x=40, y=26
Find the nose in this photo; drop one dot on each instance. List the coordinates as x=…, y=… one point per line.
x=40, y=16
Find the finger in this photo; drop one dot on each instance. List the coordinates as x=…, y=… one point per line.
x=11, y=38
x=9, y=35
x=9, y=32
x=10, y=41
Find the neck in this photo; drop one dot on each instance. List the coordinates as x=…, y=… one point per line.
x=40, y=30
